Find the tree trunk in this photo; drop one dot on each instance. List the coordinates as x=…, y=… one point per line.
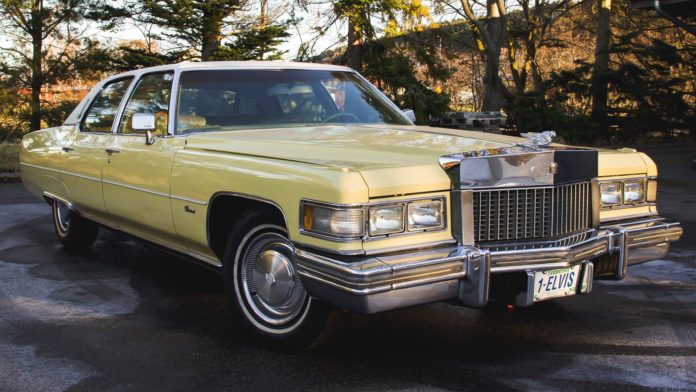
x=354, y=49
x=211, y=33
x=492, y=94
x=600, y=84
x=36, y=65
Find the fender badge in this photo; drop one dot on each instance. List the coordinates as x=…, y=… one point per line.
x=553, y=168
x=189, y=209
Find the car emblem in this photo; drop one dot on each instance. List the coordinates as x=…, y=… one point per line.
x=270, y=279
x=539, y=139
x=553, y=168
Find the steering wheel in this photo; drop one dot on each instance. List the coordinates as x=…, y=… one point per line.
x=340, y=114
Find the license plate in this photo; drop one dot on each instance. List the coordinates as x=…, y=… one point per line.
x=555, y=283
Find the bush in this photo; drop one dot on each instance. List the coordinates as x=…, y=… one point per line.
x=9, y=157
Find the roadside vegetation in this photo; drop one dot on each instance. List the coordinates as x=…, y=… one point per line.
x=9, y=157
x=595, y=71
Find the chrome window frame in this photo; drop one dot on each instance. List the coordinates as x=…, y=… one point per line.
x=129, y=93
x=93, y=98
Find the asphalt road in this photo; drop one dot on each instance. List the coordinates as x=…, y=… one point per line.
x=130, y=317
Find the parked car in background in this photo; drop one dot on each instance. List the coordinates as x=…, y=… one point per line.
x=312, y=193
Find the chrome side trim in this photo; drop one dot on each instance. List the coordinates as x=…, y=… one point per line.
x=49, y=196
x=81, y=176
x=135, y=188
x=199, y=202
x=39, y=167
x=60, y=171
x=186, y=252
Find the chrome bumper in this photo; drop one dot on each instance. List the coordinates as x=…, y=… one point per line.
x=379, y=283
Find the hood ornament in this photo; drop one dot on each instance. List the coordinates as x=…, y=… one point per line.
x=539, y=138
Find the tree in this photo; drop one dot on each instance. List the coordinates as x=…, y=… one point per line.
x=194, y=24
x=45, y=43
x=600, y=82
x=490, y=37
x=254, y=44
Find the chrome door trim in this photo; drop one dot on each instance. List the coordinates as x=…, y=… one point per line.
x=60, y=171
x=199, y=202
x=135, y=188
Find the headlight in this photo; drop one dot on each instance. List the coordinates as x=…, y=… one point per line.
x=334, y=222
x=611, y=193
x=386, y=220
x=372, y=220
x=633, y=191
x=425, y=215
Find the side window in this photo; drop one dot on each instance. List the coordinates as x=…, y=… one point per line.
x=151, y=95
x=100, y=115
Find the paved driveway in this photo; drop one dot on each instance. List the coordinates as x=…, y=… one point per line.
x=130, y=317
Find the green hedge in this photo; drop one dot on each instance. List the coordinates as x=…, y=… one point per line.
x=9, y=157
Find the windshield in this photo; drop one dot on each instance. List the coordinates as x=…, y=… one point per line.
x=234, y=99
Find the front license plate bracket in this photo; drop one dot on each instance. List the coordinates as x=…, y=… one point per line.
x=553, y=283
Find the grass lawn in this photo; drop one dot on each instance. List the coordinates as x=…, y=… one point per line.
x=9, y=157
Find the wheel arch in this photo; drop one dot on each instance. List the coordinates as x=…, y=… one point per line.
x=224, y=211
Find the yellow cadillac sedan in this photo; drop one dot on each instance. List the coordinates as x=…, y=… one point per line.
x=313, y=194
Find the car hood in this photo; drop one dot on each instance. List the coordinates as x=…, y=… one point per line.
x=392, y=160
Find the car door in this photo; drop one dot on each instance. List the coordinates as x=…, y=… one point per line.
x=84, y=154
x=136, y=176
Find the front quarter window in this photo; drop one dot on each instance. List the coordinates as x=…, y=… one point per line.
x=151, y=95
x=100, y=115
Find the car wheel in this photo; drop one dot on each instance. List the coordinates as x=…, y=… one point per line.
x=74, y=232
x=265, y=290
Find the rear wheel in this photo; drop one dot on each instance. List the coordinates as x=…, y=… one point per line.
x=74, y=232
x=265, y=289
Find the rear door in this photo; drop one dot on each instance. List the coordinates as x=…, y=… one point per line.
x=85, y=154
x=136, y=176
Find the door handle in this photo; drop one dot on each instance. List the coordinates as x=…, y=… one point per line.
x=112, y=151
x=67, y=149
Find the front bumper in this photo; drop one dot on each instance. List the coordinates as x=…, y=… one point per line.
x=379, y=283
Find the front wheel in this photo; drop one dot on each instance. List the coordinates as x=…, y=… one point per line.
x=265, y=289
x=74, y=232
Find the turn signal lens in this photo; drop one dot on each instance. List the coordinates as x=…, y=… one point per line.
x=651, y=193
x=334, y=222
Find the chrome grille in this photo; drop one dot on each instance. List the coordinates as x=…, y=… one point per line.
x=526, y=213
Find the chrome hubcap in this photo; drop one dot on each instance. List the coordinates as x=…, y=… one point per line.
x=270, y=284
x=63, y=214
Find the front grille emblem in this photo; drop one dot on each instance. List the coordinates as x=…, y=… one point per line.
x=553, y=168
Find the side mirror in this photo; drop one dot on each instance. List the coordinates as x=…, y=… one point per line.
x=410, y=114
x=143, y=122
x=149, y=138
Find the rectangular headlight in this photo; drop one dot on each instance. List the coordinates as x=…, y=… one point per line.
x=611, y=193
x=424, y=215
x=386, y=220
x=334, y=222
x=633, y=191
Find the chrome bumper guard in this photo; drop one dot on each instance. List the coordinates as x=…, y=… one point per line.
x=383, y=282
